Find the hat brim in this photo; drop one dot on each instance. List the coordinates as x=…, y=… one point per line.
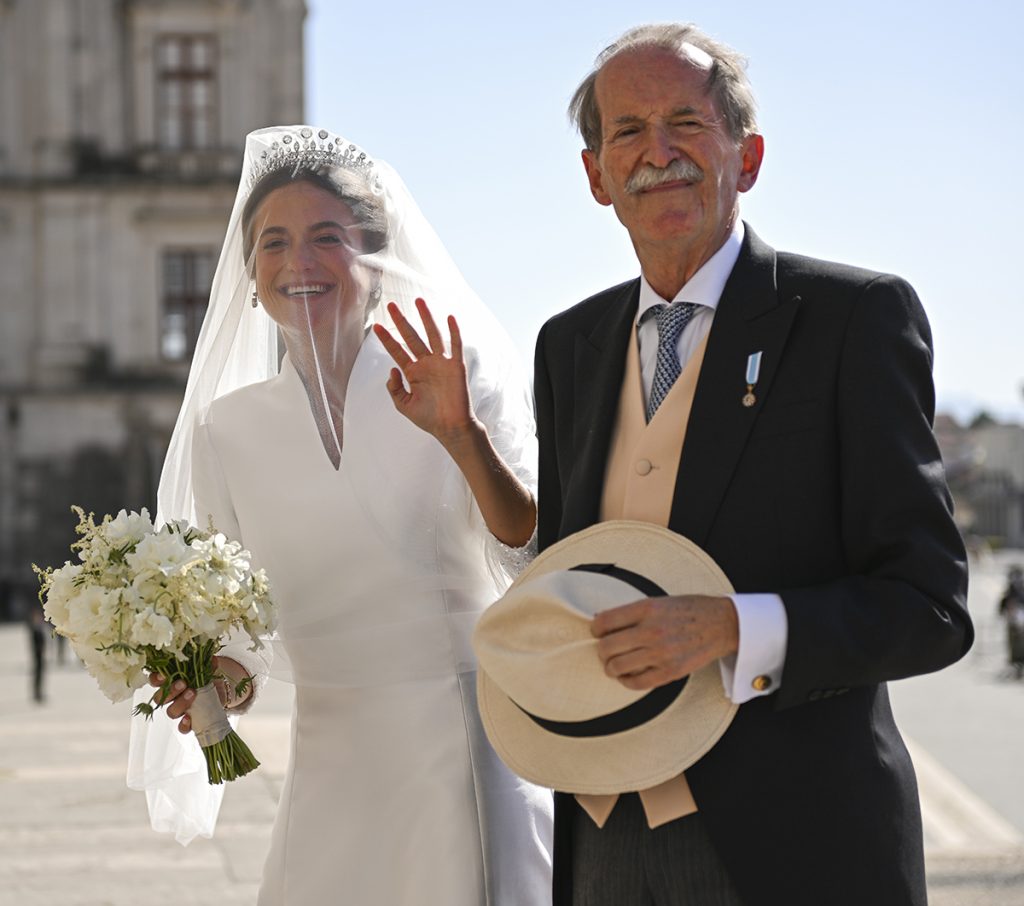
x=645, y=755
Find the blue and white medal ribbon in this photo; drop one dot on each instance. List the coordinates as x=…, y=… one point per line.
x=753, y=372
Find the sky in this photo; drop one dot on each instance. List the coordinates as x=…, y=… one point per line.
x=891, y=129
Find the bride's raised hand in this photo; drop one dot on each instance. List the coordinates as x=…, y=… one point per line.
x=437, y=400
x=434, y=394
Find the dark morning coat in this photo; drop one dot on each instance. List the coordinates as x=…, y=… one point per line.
x=830, y=492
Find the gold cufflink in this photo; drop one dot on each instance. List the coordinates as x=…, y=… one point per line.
x=761, y=683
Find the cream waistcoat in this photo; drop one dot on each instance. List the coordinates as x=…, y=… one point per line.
x=639, y=482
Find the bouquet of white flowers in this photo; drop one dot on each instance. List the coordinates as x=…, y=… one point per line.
x=147, y=600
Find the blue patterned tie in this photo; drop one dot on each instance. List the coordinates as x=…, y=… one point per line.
x=671, y=321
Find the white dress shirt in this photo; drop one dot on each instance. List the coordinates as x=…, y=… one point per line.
x=756, y=668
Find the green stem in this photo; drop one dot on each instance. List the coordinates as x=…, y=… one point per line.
x=230, y=758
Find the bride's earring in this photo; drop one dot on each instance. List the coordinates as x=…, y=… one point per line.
x=375, y=295
x=255, y=301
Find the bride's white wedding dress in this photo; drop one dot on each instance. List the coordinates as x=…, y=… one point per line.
x=393, y=795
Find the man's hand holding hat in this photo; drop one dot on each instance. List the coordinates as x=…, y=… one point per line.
x=654, y=641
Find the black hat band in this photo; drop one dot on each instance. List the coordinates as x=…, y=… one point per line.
x=639, y=712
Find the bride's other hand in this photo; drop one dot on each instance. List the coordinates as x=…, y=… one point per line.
x=434, y=394
x=177, y=701
x=180, y=697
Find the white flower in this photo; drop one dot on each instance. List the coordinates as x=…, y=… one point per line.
x=93, y=615
x=259, y=607
x=203, y=617
x=152, y=628
x=127, y=528
x=215, y=585
x=164, y=552
x=207, y=626
x=117, y=673
x=61, y=591
x=227, y=557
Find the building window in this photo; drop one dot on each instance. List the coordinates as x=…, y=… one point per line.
x=186, y=91
x=187, y=276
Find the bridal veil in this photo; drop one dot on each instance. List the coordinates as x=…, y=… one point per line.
x=395, y=257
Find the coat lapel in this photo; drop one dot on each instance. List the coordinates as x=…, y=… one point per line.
x=751, y=317
x=599, y=358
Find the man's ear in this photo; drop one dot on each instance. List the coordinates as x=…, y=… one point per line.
x=595, y=177
x=751, y=155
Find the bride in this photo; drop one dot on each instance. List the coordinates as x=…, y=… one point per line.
x=384, y=485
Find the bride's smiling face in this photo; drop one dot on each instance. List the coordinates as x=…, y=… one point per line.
x=305, y=245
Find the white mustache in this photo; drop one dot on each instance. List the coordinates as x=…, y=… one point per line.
x=648, y=176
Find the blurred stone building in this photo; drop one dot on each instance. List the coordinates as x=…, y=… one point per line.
x=122, y=124
x=996, y=488
x=985, y=469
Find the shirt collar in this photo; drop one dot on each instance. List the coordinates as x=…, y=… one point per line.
x=704, y=287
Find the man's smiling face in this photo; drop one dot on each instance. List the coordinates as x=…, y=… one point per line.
x=667, y=162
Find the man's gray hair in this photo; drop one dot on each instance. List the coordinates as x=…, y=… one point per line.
x=727, y=78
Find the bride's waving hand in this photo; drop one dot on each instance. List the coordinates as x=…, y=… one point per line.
x=437, y=400
x=437, y=396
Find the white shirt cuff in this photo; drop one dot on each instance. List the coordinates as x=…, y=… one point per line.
x=756, y=668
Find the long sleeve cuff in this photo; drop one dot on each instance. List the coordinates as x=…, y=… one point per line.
x=256, y=663
x=756, y=668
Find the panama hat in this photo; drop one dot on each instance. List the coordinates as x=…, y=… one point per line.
x=549, y=709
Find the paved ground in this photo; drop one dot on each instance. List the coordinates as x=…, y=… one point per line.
x=968, y=721
x=72, y=834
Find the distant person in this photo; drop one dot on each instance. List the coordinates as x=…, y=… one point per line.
x=38, y=630
x=776, y=410
x=1011, y=609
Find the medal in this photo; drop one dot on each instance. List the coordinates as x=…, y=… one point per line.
x=753, y=371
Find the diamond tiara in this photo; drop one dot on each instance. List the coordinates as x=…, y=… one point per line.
x=301, y=149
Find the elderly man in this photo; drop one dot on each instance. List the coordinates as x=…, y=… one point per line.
x=784, y=426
